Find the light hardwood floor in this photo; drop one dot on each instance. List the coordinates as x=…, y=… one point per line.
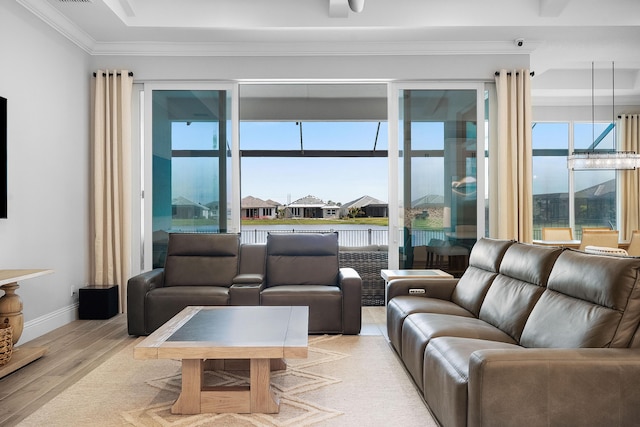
x=79, y=347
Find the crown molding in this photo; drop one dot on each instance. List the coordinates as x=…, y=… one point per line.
x=330, y=48
x=52, y=17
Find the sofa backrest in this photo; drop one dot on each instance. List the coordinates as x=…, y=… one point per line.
x=484, y=262
x=302, y=259
x=523, y=276
x=590, y=301
x=253, y=258
x=201, y=259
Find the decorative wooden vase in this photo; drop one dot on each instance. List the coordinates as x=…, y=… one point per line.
x=11, y=310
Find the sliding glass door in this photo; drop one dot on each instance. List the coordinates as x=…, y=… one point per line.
x=190, y=151
x=439, y=136
x=190, y=180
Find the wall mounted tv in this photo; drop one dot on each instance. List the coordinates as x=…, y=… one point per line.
x=3, y=157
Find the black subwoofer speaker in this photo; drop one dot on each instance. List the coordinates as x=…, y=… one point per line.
x=98, y=302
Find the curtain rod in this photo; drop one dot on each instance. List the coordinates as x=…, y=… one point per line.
x=509, y=73
x=111, y=74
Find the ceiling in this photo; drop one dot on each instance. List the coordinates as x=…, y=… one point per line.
x=563, y=37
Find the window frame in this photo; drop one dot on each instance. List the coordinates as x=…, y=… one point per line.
x=571, y=173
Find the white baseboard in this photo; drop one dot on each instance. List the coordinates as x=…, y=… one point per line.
x=47, y=323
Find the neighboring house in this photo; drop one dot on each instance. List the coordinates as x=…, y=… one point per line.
x=331, y=211
x=593, y=205
x=597, y=205
x=253, y=207
x=369, y=207
x=183, y=208
x=311, y=207
x=213, y=209
x=278, y=208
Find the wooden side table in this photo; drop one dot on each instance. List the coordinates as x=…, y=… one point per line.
x=11, y=310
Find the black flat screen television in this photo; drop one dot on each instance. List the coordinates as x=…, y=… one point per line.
x=3, y=157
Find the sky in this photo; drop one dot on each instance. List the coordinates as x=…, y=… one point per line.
x=286, y=179
x=341, y=180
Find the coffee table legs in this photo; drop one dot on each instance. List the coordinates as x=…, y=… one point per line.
x=262, y=398
x=192, y=379
x=195, y=398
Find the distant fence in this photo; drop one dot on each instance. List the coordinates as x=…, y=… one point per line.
x=348, y=237
x=345, y=237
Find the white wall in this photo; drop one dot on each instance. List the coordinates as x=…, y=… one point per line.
x=581, y=113
x=45, y=79
x=391, y=67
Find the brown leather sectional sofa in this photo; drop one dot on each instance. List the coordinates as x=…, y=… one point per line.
x=215, y=269
x=528, y=336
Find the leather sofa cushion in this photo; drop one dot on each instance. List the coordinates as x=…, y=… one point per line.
x=324, y=302
x=446, y=375
x=559, y=321
x=164, y=303
x=487, y=253
x=420, y=328
x=302, y=259
x=248, y=279
x=524, y=272
x=484, y=262
x=610, y=281
x=201, y=259
x=529, y=263
x=508, y=304
x=402, y=306
x=253, y=258
x=471, y=289
x=590, y=301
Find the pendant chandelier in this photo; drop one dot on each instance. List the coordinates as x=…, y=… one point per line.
x=602, y=159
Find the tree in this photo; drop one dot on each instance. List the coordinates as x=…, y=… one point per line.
x=354, y=212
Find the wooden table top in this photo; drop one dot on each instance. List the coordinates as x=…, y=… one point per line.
x=230, y=332
x=12, y=276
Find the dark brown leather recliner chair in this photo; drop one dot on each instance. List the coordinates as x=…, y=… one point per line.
x=302, y=270
x=199, y=270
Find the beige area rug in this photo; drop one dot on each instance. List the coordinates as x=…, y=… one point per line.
x=345, y=381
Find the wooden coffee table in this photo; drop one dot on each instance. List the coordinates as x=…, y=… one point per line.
x=258, y=333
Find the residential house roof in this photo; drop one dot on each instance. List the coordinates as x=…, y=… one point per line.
x=250, y=202
x=428, y=201
x=183, y=201
x=308, y=202
x=364, y=201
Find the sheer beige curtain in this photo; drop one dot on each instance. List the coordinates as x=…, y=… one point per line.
x=111, y=167
x=629, y=135
x=510, y=159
